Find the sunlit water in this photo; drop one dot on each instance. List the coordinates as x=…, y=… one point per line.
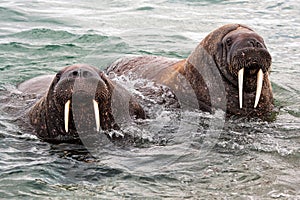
x=243, y=160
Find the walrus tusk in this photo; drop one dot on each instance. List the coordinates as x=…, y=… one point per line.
x=241, y=79
x=97, y=115
x=260, y=77
x=67, y=110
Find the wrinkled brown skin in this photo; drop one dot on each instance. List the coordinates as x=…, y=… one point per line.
x=47, y=115
x=222, y=49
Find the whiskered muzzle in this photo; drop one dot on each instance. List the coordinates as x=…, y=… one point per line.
x=254, y=59
x=67, y=114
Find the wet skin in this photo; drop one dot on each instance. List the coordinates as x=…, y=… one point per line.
x=235, y=52
x=78, y=98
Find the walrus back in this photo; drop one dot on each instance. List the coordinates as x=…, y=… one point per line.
x=146, y=67
x=38, y=85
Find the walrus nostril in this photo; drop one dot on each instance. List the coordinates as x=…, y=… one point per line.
x=252, y=42
x=259, y=45
x=255, y=43
x=86, y=74
x=74, y=74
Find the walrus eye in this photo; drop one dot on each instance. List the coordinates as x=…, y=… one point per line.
x=228, y=42
x=58, y=75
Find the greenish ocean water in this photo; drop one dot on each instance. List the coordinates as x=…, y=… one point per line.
x=254, y=160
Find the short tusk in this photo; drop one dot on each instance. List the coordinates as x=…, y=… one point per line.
x=240, y=80
x=260, y=77
x=97, y=115
x=67, y=111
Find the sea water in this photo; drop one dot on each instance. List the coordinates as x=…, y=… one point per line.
x=240, y=160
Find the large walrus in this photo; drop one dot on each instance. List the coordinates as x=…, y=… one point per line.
x=77, y=98
x=229, y=69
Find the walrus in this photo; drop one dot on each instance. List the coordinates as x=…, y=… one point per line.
x=228, y=70
x=78, y=98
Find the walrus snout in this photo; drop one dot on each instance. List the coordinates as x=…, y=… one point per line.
x=85, y=81
x=252, y=59
x=251, y=62
x=81, y=90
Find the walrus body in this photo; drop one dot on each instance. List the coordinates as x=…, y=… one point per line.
x=229, y=69
x=77, y=99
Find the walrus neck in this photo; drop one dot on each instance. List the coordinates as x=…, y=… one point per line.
x=226, y=75
x=38, y=118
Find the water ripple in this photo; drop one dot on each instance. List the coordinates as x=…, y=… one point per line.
x=250, y=159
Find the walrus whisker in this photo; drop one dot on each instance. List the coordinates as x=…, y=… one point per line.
x=67, y=111
x=240, y=80
x=97, y=115
x=260, y=77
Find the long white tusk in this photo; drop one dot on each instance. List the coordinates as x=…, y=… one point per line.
x=260, y=77
x=67, y=111
x=241, y=79
x=97, y=115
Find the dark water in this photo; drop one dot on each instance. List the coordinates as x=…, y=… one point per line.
x=242, y=160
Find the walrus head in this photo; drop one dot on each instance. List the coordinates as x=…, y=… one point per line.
x=247, y=57
x=79, y=99
x=244, y=62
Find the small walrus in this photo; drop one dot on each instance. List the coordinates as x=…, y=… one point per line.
x=229, y=69
x=77, y=98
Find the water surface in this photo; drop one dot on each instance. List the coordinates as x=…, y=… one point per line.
x=245, y=160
